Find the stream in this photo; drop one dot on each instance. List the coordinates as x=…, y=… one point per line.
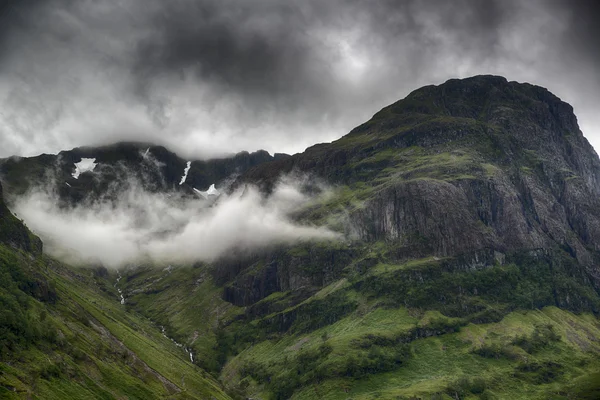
x=119, y=290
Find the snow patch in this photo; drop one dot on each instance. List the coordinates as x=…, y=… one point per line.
x=85, y=165
x=67, y=183
x=212, y=191
x=185, y=172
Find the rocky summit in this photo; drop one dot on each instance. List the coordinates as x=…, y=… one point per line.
x=466, y=265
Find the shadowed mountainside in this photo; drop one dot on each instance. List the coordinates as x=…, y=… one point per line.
x=471, y=269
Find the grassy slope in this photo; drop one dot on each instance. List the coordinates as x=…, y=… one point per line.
x=437, y=362
x=90, y=346
x=439, y=356
x=186, y=302
x=373, y=169
x=403, y=351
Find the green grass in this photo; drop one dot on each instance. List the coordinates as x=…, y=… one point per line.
x=385, y=268
x=184, y=300
x=85, y=344
x=461, y=328
x=147, y=343
x=459, y=325
x=437, y=361
x=353, y=320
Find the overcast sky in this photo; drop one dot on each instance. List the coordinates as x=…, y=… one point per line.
x=207, y=77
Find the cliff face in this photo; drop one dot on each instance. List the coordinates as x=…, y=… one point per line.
x=540, y=189
x=13, y=233
x=467, y=166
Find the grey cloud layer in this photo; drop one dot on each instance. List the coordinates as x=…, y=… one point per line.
x=207, y=77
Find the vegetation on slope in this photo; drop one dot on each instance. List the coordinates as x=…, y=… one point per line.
x=392, y=329
x=63, y=337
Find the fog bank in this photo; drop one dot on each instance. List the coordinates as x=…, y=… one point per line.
x=157, y=228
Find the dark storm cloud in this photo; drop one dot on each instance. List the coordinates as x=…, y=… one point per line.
x=289, y=62
x=580, y=44
x=290, y=52
x=14, y=17
x=210, y=76
x=259, y=50
x=584, y=26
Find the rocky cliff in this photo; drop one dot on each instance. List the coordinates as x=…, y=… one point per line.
x=478, y=169
x=468, y=166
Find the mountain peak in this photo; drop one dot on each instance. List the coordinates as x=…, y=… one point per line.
x=460, y=205
x=89, y=172
x=485, y=98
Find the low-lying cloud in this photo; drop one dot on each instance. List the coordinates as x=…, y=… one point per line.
x=157, y=228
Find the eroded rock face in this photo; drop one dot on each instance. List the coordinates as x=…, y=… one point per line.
x=470, y=167
x=468, y=215
x=249, y=279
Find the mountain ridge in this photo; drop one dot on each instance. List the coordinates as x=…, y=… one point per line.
x=13, y=233
x=157, y=168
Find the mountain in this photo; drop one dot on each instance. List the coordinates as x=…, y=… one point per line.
x=468, y=268
x=469, y=165
x=109, y=168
